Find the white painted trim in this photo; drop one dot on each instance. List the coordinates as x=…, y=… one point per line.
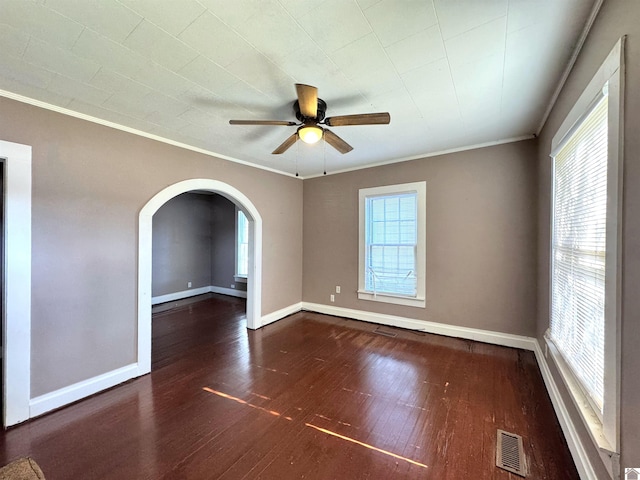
x=611, y=72
x=145, y=231
x=17, y=285
x=567, y=70
x=611, y=65
x=280, y=314
x=420, y=189
x=106, y=123
x=576, y=447
x=117, y=126
x=486, y=336
x=64, y=396
x=228, y=291
x=193, y=292
x=172, y=297
x=425, y=155
x=583, y=405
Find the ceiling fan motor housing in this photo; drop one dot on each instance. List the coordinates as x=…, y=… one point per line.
x=322, y=108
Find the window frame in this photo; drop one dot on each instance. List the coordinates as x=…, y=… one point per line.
x=238, y=277
x=419, y=188
x=605, y=429
x=596, y=102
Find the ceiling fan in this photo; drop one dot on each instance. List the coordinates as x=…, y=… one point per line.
x=310, y=112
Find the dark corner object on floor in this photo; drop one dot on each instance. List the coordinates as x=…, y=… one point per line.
x=21, y=469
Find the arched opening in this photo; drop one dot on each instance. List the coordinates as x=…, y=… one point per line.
x=145, y=231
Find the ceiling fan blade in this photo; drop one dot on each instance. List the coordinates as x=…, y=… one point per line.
x=336, y=142
x=261, y=122
x=286, y=144
x=308, y=100
x=382, y=118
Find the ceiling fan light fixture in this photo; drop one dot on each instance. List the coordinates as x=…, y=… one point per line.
x=310, y=133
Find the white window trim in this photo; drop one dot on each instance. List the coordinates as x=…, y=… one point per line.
x=419, y=300
x=604, y=433
x=236, y=276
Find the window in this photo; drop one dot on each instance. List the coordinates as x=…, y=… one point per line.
x=584, y=298
x=242, y=245
x=392, y=244
x=579, y=250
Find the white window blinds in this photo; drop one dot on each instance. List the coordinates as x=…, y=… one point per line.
x=391, y=233
x=579, y=246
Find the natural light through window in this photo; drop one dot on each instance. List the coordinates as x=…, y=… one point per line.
x=579, y=250
x=323, y=430
x=392, y=230
x=391, y=236
x=586, y=203
x=242, y=245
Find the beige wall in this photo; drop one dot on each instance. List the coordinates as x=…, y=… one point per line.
x=487, y=231
x=182, y=241
x=223, y=248
x=481, y=237
x=194, y=240
x=89, y=184
x=616, y=18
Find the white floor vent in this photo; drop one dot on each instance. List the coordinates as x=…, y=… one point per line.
x=509, y=453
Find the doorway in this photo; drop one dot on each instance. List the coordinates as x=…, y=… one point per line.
x=199, y=248
x=16, y=307
x=145, y=243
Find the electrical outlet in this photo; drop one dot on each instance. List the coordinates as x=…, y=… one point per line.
x=188, y=284
x=337, y=288
x=233, y=285
x=333, y=297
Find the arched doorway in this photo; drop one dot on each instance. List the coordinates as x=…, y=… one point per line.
x=254, y=281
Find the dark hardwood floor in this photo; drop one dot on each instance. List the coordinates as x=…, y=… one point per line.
x=310, y=396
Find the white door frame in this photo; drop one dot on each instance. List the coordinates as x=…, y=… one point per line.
x=254, y=280
x=16, y=346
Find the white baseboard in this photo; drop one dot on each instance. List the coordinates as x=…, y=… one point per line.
x=487, y=336
x=64, y=396
x=192, y=292
x=576, y=447
x=171, y=297
x=80, y=390
x=283, y=312
x=228, y=291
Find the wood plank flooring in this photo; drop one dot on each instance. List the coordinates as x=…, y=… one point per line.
x=310, y=396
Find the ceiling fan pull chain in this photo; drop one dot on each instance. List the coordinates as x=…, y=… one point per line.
x=324, y=156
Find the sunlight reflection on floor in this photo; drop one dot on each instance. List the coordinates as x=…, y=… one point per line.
x=323, y=430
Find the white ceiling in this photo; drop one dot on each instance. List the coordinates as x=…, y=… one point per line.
x=452, y=73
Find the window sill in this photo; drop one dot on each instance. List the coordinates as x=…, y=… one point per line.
x=395, y=299
x=589, y=416
x=240, y=279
